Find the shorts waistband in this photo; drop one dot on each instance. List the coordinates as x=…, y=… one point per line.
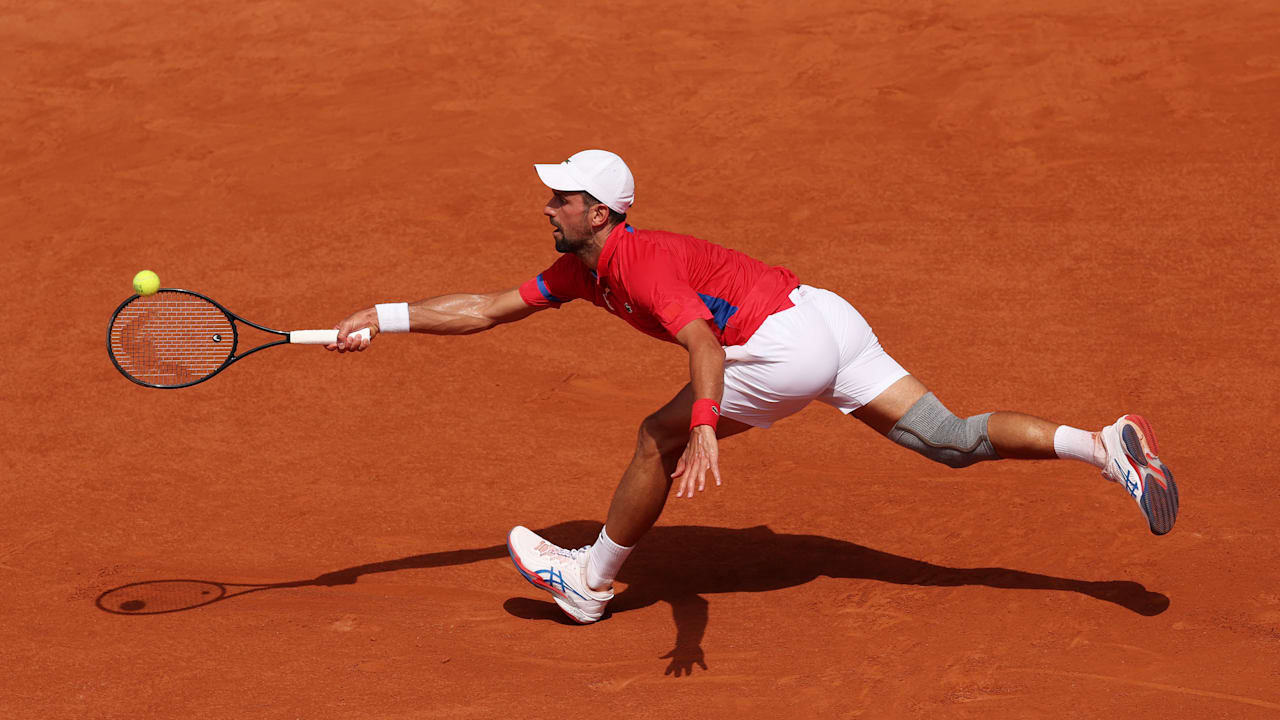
x=802, y=294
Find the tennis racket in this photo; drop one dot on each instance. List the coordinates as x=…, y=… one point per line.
x=177, y=338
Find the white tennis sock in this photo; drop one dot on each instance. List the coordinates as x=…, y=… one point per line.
x=1068, y=442
x=605, y=560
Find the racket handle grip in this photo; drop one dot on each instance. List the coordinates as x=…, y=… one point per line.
x=321, y=337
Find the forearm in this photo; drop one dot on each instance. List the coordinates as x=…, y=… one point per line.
x=455, y=314
x=706, y=371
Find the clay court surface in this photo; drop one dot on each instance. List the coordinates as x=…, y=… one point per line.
x=1065, y=208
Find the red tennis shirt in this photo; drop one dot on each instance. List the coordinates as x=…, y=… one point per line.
x=659, y=282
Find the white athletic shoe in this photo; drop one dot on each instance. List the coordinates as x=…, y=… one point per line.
x=561, y=572
x=1132, y=462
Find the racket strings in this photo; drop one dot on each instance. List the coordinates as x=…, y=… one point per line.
x=171, y=338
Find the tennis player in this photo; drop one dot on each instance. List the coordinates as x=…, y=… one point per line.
x=762, y=345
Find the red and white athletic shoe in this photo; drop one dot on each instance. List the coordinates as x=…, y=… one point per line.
x=1132, y=462
x=561, y=572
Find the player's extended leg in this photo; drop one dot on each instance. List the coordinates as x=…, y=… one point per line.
x=1011, y=434
x=581, y=580
x=907, y=413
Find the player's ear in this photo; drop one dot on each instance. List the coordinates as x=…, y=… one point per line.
x=598, y=215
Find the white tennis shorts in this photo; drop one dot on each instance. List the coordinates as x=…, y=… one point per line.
x=821, y=349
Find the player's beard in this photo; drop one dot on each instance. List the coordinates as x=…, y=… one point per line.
x=570, y=242
x=562, y=244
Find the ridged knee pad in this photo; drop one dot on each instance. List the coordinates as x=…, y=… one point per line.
x=932, y=430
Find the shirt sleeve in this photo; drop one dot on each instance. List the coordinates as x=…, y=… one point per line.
x=668, y=297
x=556, y=285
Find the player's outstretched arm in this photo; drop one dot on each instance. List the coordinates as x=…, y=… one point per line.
x=454, y=314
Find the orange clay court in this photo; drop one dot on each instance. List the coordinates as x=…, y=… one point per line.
x=1063, y=208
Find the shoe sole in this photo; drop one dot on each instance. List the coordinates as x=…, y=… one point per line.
x=536, y=580
x=1159, y=499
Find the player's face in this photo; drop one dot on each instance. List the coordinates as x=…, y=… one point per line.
x=567, y=212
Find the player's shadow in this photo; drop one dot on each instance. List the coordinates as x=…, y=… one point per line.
x=681, y=564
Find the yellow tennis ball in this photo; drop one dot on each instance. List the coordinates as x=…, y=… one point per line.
x=146, y=283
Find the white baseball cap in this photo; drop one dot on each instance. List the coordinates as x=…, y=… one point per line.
x=599, y=172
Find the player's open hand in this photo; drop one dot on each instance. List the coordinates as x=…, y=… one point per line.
x=367, y=318
x=700, y=455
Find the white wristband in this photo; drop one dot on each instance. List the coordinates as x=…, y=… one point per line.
x=393, y=317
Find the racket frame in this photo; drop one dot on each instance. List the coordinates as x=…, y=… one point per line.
x=235, y=338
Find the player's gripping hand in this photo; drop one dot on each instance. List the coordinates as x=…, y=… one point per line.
x=700, y=455
x=367, y=318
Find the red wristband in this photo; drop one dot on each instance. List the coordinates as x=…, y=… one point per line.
x=705, y=412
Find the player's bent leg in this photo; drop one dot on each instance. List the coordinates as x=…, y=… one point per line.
x=643, y=490
x=580, y=581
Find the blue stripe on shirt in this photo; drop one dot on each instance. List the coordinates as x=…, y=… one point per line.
x=720, y=309
x=542, y=288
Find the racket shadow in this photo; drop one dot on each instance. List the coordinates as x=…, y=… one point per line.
x=171, y=595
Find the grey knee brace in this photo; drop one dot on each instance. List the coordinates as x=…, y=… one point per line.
x=932, y=430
